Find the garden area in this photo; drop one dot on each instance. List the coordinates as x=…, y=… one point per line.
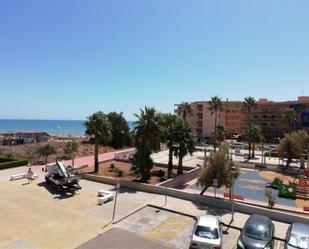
x=122, y=170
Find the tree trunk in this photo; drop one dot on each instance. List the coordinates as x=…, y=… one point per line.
x=249, y=136
x=253, y=152
x=96, y=155
x=170, y=161
x=215, y=137
x=73, y=159
x=180, y=168
x=289, y=160
x=204, y=190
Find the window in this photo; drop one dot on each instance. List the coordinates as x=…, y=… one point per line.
x=257, y=231
x=207, y=232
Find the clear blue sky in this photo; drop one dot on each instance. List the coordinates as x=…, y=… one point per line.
x=64, y=59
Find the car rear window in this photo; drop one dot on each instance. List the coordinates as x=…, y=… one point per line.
x=257, y=231
x=207, y=232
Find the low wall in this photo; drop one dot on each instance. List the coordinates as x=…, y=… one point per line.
x=181, y=180
x=163, y=165
x=124, y=155
x=206, y=200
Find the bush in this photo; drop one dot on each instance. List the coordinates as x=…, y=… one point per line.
x=13, y=163
x=120, y=173
x=5, y=159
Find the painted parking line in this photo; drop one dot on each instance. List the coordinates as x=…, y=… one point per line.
x=170, y=228
x=233, y=245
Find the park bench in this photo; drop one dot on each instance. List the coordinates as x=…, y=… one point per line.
x=104, y=196
x=239, y=197
x=22, y=176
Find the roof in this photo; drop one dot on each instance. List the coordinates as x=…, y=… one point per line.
x=207, y=220
x=301, y=229
x=258, y=219
x=30, y=132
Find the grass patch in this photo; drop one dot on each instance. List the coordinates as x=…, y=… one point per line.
x=6, y=163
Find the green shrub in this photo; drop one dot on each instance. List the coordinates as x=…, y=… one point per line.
x=120, y=173
x=13, y=163
x=5, y=159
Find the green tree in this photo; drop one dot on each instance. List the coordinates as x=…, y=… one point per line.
x=271, y=198
x=70, y=149
x=99, y=127
x=255, y=133
x=217, y=166
x=169, y=124
x=46, y=151
x=248, y=104
x=147, y=137
x=120, y=130
x=289, y=147
x=290, y=118
x=184, y=109
x=185, y=140
x=215, y=106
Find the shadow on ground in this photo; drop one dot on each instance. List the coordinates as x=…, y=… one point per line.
x=57, y=194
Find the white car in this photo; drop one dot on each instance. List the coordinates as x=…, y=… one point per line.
x=207, y=233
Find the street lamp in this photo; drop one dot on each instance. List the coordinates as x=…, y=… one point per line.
x=233, y=170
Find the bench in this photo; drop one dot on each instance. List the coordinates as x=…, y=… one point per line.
x=22, y=176
x=239, y=197
x=105, y=196
x=306, y=209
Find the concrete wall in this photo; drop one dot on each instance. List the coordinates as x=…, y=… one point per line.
x=181, y=180
x=206, y=200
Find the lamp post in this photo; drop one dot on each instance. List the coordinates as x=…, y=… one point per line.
x=232, y=171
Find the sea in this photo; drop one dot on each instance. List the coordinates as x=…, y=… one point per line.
x=52, y=127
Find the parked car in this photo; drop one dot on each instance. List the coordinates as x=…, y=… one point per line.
x=257, y=233
x=297, y=236
x=207, y=233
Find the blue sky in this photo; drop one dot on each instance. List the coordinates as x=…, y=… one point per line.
x=64, y=59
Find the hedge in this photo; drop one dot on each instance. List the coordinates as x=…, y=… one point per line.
x=14, y=163
x=5, y=159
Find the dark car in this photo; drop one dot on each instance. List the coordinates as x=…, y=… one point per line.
x=257, y=233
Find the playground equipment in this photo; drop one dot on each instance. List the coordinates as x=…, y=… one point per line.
x=299, y=187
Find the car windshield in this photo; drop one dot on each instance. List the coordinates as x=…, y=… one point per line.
x=207, y=232
x=299, y=241
x=257, y=231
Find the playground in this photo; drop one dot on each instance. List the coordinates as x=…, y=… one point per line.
x=251, y=184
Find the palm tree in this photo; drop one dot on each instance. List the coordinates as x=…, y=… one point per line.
x=169, y=123
x=221, y=132
x=215, y=106
x=248, y=104
x=147, y=138
x=290, y=118
x=100, y=128
x=185, y=139
x=184, y=109
x=256, y=135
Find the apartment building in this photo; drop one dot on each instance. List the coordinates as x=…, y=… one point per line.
x=267, y=114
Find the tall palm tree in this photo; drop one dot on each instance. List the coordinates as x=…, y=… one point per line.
x=147, y=138
x=169, y=123
x=290, y=118
x=248, y=104
x=221, y=132
x=184, y=109
x=185, y=140
x=215, y=106
x=256, y=135
x=99, y=127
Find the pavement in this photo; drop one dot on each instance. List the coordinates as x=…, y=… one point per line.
x=33, y=216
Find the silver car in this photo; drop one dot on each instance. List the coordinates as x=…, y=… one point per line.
x=297, y=236
x=207, y=233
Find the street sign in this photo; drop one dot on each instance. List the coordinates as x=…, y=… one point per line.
x=215, y=183
x=117, y=187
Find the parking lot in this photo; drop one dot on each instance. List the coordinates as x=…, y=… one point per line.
x=33, y=216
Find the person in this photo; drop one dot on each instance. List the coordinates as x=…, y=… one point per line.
x=30, y=175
